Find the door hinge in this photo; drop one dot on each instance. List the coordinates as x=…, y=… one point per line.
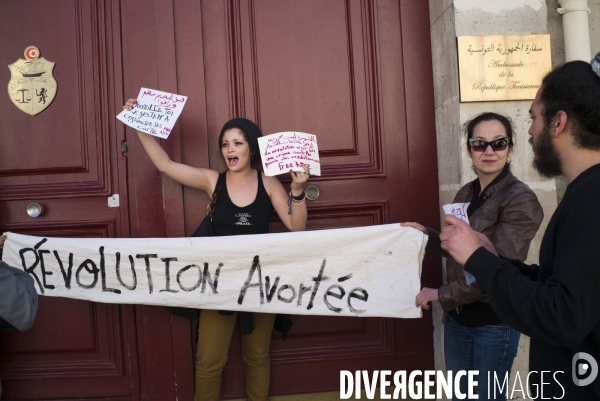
x=124, y=148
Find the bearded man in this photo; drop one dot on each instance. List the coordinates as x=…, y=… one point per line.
x=555, y=302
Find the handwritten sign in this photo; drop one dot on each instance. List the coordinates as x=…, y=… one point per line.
x=457, y=210
x=155, y=112
x=460, y=210
x=502, y=67
x=287, y=151
x=363, y=271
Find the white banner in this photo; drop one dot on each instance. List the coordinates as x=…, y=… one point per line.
x=366, y=271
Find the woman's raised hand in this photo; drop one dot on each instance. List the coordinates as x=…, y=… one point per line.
x=415, y=225
x=129, y=104
x=298, y=180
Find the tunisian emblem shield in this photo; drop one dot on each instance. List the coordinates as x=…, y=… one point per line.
x=32, y=87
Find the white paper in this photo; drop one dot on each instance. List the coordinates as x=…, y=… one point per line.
x=460, y=210
x=470, y=278
x=285, y=151
x=363, y=271
x=155, y=112
x=457, y=210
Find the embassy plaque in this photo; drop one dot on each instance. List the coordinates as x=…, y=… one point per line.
x=502, y=67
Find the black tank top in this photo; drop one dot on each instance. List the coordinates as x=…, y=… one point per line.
x=229, y=219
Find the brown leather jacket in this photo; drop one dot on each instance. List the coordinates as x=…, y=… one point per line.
x=509, y=218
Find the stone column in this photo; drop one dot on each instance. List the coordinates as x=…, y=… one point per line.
x=449, y=19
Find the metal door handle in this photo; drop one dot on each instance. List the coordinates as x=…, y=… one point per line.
x=34, y=210
x=311, y=192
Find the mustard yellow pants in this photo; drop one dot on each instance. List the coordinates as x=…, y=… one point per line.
x=215, y=332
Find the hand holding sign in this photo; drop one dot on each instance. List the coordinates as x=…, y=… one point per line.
x=154, y=112
x=459, y=210
x=287, y=151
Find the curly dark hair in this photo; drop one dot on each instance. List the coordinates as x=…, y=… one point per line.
x=575, y=89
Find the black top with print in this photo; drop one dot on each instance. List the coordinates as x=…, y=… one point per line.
x=229, y=219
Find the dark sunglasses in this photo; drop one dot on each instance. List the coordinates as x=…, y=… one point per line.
x=480, y=146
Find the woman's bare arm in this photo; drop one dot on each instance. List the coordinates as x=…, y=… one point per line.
x=279, y=198
x=201, y=178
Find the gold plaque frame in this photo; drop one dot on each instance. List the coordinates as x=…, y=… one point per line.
x=502, y=67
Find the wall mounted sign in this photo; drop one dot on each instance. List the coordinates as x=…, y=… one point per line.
x=32, y=87
x=502, y=67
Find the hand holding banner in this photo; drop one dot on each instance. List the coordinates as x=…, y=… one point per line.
x=154, y=113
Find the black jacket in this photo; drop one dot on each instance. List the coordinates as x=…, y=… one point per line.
x=555, y=303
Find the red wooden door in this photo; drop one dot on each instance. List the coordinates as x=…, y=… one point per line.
x=69, y=159
x=355, y=72
x=358, y=74
x=65, y=159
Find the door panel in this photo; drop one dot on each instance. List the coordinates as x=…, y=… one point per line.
x=313, y=73
x=77, y=348
x=288, y=70
x=67, y=142
x=335, y=69
x=66, y=159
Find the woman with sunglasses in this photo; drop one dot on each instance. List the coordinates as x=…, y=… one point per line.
x=509, y=214
x=243, y=206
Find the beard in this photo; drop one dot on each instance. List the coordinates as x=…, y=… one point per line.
x=546, y=159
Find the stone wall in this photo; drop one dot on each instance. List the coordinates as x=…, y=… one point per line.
x=452, y=18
